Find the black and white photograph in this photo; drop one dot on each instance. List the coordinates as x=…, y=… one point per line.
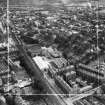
x=52, y=52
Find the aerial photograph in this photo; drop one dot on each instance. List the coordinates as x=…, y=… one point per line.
x=52, y=52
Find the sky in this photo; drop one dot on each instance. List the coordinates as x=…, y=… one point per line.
x=42, y=1
x=37, y=2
